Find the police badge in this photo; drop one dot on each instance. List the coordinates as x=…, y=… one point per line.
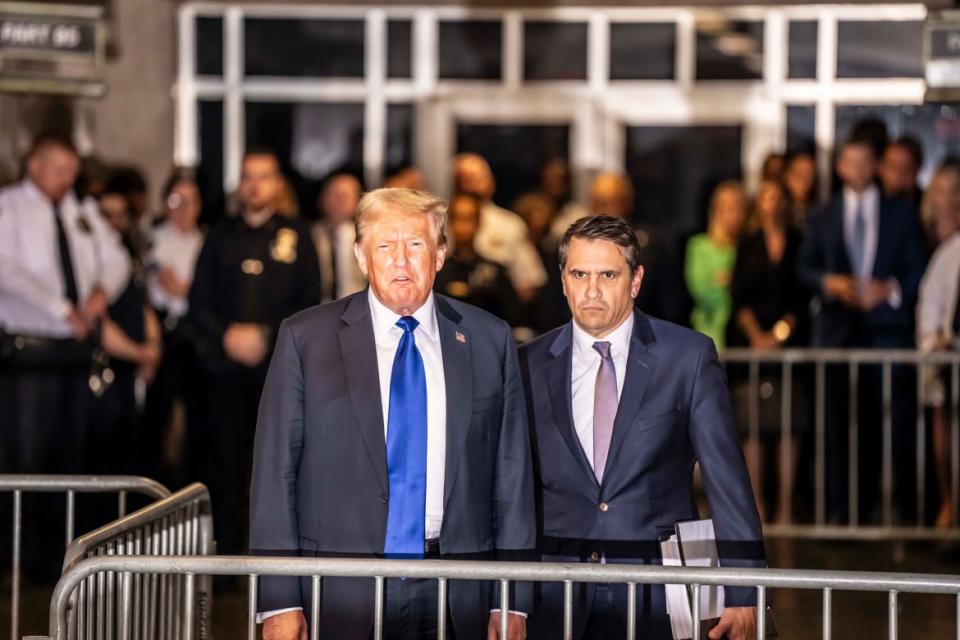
x=284, y=246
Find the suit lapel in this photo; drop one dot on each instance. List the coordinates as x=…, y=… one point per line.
x=359, y=353
x=640, y=365
x=883, y=241
x=558, y=371
x=456, y=347
x=839, y=236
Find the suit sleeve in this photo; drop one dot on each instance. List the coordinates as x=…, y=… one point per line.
x=202, y=308
x=914, y=261
x=724, y=471
x=515, y=524
x=276, y=460
x=812, y=266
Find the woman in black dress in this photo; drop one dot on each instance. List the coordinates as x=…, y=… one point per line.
x=770, y=311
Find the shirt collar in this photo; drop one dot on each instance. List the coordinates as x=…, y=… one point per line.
x=385, y=320
x=619, y=340
x=868, y=197
x=33, y=191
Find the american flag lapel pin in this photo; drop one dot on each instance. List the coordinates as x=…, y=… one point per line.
x=461, y=338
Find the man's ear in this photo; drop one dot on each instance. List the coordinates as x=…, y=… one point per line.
x=637, y=281
x=441, y=256
x=361, y=258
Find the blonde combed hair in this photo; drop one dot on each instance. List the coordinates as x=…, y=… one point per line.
x=404, y=201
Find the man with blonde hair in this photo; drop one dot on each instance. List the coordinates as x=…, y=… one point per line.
x=392, y=424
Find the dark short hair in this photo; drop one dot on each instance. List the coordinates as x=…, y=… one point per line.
x=604, y=227
x=260, y=150
x=912, y=146
x=177, y=176
x=52, y=138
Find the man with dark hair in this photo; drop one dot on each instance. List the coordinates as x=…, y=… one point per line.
x=622, y=407
x=899, y=169
x=864, y=258
x=60, y=266
x=334, y=236
x=254, y=270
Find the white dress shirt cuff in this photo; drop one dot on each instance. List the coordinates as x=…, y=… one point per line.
x=895, y=299
x=261, y=617
x=515, y=613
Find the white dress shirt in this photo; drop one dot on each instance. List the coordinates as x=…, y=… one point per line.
x=387, y=336
x=869, y=201
x=176, y=250
x=583, y=376
x=502, y=237
x=33, y=297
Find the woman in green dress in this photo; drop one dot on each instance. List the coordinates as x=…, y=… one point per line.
x=710, y=258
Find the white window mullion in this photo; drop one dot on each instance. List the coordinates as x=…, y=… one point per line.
x=185, y=143
x=826, y=118
x=513, y=49
x=685, y=57
x=375, y=105
x=234, y=130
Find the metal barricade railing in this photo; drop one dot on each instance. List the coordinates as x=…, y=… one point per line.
x=789, y=361
x=190, y=568
x=70, y=485
x=145, y=606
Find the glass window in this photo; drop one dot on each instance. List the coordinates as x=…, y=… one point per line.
x=313, y=138
x=729, y=50
x=935, y=126
x=880, y=49
x=209, y=46
x=643, y=51
x=674, y=169
x=801, y=128
x=302, y=48
x=802, y=55
x=400, y=132
x=210, y=165
x=516, y=173
x=470, y=50
x=555, y=51
x=399, y=49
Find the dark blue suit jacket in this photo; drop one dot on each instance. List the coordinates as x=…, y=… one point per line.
x=320, y=485
x=900, y=254
x=674, y=412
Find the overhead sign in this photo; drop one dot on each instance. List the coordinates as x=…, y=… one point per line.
x=942, y=54
x=56, y=35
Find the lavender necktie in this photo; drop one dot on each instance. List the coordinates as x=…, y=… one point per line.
x=605, y=403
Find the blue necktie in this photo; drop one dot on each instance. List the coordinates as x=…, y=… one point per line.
x=859, y=240
x=407, y=448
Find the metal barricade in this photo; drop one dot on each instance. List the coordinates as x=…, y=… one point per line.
x=70, y=485
x=789, y=361
x=108, y=605
x=189, y=568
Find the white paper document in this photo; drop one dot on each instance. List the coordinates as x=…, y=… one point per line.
x=694, y=545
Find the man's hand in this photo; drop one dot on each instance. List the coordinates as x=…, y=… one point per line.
x=245, y=343
x=291, y=625
x=79, y=328
x=763, y=341
x=516, y=627
x=736, y=623
x=95, y=306
x=843, y=288
x=149, y=361
x=875, y=293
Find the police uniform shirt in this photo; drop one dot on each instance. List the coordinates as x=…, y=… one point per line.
x=257, y=275
x=33, y=293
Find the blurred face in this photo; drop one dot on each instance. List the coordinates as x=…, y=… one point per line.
x=799, y=178
x=770, y=203
x=730, y=212
x=410, y=178
x=555, y=179
x=114, y=208
x=599, y=286
x=474, y=177
x=340, y=199
x=609, y=195
x=898, y=172
x=856, y=166
x=183, y=205
x=464, y=220
x=537, y=212
x=261, y=184
x=53, y=170
x=943, y=194
x=399, y=255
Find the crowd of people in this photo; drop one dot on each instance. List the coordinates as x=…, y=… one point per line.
x=124, y=329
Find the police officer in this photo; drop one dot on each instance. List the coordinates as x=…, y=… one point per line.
x=60, y=266
x=254, y=270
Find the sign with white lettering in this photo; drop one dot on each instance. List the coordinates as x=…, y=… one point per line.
x=56, y=35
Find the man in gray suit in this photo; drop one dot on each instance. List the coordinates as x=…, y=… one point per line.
x=392, y=424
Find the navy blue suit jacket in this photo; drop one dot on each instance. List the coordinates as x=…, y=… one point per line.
x=900, y=254
x=674, y=412
x=320, y=485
